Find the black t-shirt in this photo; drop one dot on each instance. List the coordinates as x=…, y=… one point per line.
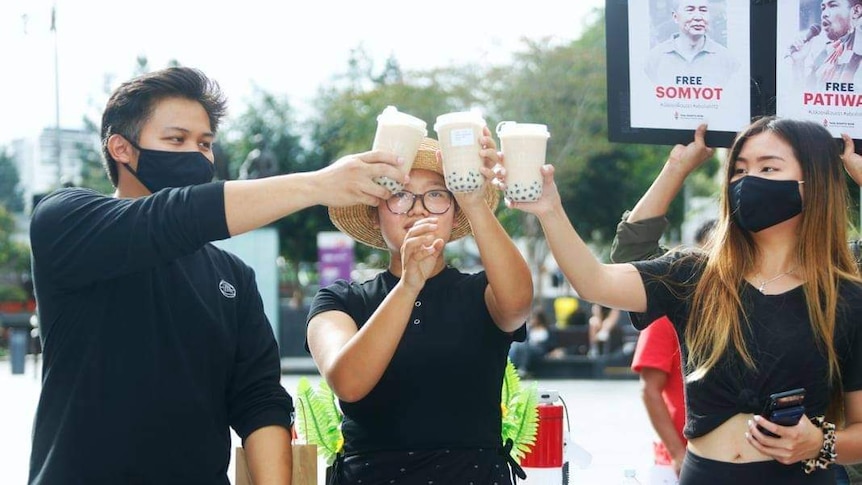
x=154, y=341
x=778, y=337
x=442, y=387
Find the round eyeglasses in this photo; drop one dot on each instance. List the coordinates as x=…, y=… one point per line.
x=434, y=201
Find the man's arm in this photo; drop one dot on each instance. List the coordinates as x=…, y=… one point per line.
x=653, y=382
x=259, y=408
x=79, y=236
x=250, y=204
x=269, y=455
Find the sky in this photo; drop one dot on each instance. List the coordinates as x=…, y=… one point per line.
x=275, y=46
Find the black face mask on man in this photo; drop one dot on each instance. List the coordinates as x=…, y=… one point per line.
x=158, y=169
x=758, y=203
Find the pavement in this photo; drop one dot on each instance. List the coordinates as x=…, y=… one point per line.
x=607, y=419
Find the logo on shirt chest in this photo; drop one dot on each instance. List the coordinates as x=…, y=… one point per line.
x=227, y=289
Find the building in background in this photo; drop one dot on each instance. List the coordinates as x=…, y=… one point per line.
x=36, y=159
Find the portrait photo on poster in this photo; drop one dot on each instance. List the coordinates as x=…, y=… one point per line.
x=819, y=54
x=689, y=64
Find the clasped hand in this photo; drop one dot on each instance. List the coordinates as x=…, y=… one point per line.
x=419, y=252
x=794, y=444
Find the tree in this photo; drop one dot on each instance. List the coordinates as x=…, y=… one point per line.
x=94, y=174
x=10, y=192
x=14, y=261
x=565, y=88
x=267, y=124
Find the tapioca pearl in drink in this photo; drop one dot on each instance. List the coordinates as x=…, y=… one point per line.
x=401, y=134
x=519, y=192
x=459, y=135
x=523, y=146
x=465, y=181
x=390, y=184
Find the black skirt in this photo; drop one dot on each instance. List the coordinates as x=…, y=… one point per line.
x=480, y=466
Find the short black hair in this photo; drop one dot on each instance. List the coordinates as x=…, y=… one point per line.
x=133, y=102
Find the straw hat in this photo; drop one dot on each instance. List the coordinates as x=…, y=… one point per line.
x=358, y=221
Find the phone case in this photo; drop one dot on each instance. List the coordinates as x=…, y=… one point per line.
x=787, y=416
x=784, y=408
x=786, y=399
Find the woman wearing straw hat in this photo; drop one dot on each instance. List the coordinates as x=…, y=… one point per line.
x=416, y=355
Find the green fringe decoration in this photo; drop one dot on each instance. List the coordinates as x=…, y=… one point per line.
x=319, y=419
x=520, y=413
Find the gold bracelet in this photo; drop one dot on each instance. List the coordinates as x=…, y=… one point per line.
x=827, y=455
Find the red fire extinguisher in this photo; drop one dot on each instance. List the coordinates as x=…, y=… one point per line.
x=544, y=463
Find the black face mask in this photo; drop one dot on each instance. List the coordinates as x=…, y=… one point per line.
x=159, y=169
x=757, y=203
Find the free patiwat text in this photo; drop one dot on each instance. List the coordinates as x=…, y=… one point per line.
x=837, y=94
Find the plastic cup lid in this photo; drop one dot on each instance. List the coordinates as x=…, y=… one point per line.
x=514, y=128
x=473, y=116
x=391, y=115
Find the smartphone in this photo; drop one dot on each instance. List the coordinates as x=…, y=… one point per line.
x=784, y=408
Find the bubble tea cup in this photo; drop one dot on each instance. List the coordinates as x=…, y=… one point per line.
x=523, y=146
x=401, y=134
x=458, y=134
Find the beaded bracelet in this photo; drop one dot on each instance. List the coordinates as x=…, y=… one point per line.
x=827, y=455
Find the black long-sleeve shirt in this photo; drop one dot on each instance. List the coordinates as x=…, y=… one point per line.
x=154, y=340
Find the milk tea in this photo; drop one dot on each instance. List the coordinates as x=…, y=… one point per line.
x=523, y=146
x=401, y=134
x=458, y=134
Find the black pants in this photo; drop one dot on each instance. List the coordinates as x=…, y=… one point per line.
x=697, y=470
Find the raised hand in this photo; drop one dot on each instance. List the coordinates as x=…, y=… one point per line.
x=687, y=158
x=852, y=160
x=549, y=200
x=350, y=179
x=491, y=158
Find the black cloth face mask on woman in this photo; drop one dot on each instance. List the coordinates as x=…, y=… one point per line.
x=758, y=203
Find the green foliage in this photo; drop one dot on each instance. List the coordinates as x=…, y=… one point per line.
x=318, y=419
x=14, y=261
x=565, y=87
x=520, y=413
x=12, y=293
x=10, y=191
x=267, y=128
x=94, y=174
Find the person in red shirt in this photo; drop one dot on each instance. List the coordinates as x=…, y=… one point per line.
x=657, y=361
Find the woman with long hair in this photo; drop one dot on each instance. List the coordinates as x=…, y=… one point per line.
x=770, y=306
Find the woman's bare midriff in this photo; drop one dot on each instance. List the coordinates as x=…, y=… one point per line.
x=727, y=443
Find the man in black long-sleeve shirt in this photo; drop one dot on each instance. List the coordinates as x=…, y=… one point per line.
x=155, y=341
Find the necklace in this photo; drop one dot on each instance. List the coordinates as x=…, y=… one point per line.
x=762, y=284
